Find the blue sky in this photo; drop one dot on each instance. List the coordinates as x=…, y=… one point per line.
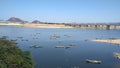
x=82, y=11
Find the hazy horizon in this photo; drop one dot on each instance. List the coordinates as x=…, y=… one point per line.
x=85, y=11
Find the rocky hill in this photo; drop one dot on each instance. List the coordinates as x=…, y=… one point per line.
x=36, y=21
x=14, y=19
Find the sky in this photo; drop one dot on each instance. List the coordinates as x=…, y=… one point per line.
x=62, y=11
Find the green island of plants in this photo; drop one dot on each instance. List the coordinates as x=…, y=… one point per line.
x=11, y=56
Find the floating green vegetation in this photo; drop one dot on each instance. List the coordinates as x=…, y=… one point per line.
x=11, y=56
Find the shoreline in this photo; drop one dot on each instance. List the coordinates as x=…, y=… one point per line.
x=10, y=24
x=112, y=41
x=45, y=26
x=31, y=25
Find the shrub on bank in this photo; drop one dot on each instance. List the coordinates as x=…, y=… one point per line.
x=11, y=56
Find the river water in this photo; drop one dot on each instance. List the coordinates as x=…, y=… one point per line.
x=74, y=57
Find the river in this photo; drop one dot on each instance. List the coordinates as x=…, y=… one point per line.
x=74, y=57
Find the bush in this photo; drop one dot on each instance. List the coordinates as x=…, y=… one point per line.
x=11, y=56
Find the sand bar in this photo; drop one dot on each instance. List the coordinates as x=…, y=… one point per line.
x=46, y=26
x=10, y=24
x=113, y=41
x=37, y=25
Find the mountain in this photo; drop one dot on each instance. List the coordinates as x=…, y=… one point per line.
x=14, y=19
x=36, y=21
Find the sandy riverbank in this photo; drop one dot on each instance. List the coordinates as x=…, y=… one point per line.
x=46, y=26
x=38, y=25
x=10, y=24
x=113, y=41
